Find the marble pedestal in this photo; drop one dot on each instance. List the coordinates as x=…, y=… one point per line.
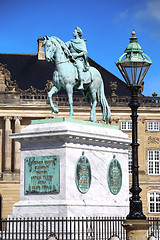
x=68, y=139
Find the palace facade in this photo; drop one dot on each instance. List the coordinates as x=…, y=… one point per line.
x=25, y=80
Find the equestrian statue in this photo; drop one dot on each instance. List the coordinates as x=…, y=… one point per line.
x=73, y=73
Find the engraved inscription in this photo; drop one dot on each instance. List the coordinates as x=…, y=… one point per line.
x=42, y=175
x=114, y=176
x=83, y=174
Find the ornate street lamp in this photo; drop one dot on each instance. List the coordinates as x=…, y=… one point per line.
x=133, y=65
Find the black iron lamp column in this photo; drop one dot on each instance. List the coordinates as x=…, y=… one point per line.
x=133, y=65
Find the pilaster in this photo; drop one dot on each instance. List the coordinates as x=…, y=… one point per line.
x=17, y=145
x=8, y=144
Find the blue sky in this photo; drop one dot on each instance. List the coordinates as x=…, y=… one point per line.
x=106, y=24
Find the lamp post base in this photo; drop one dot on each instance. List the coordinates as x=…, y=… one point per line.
x=136, y=210
x=135, y=229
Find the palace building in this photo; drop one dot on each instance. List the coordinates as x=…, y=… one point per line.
x=25, y=80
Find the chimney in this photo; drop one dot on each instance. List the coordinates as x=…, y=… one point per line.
x=41, y=53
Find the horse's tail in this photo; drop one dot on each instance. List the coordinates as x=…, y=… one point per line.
x=103, y=103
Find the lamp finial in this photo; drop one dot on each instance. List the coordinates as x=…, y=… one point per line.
x=133, y=33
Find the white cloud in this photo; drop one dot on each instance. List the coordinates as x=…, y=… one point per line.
x=121, y=16
x=148, y=16
x=153, y=8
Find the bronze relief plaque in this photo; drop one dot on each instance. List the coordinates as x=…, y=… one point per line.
x=83, y=174
x=114, y=176
x=42, y=175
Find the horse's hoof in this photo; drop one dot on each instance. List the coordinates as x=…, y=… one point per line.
x=93, y=120
x=56, y=110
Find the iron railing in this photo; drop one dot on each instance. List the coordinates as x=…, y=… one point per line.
x=96, y=228
x=154, y=229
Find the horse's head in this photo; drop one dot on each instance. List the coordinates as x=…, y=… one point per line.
x=50, y=48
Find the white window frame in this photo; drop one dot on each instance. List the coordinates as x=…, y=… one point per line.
x=152, y=126
x=154, y=205
x=126, y=125
x=153, y=162
x=130, y=161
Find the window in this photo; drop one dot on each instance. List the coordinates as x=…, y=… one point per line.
x=153, y=162
x=125, y=125
x=154, y=202
x=130, y=161
x=152, y=126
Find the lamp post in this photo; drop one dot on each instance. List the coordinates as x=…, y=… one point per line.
x=133, y=65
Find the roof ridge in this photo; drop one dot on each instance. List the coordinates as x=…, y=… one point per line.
x=107, y=70
x=104, y=68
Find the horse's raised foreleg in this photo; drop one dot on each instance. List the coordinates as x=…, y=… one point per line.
x=50, y=93
x=69, y=90
x=93, y=107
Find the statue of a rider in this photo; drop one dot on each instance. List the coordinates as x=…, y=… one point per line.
x=79, y=54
